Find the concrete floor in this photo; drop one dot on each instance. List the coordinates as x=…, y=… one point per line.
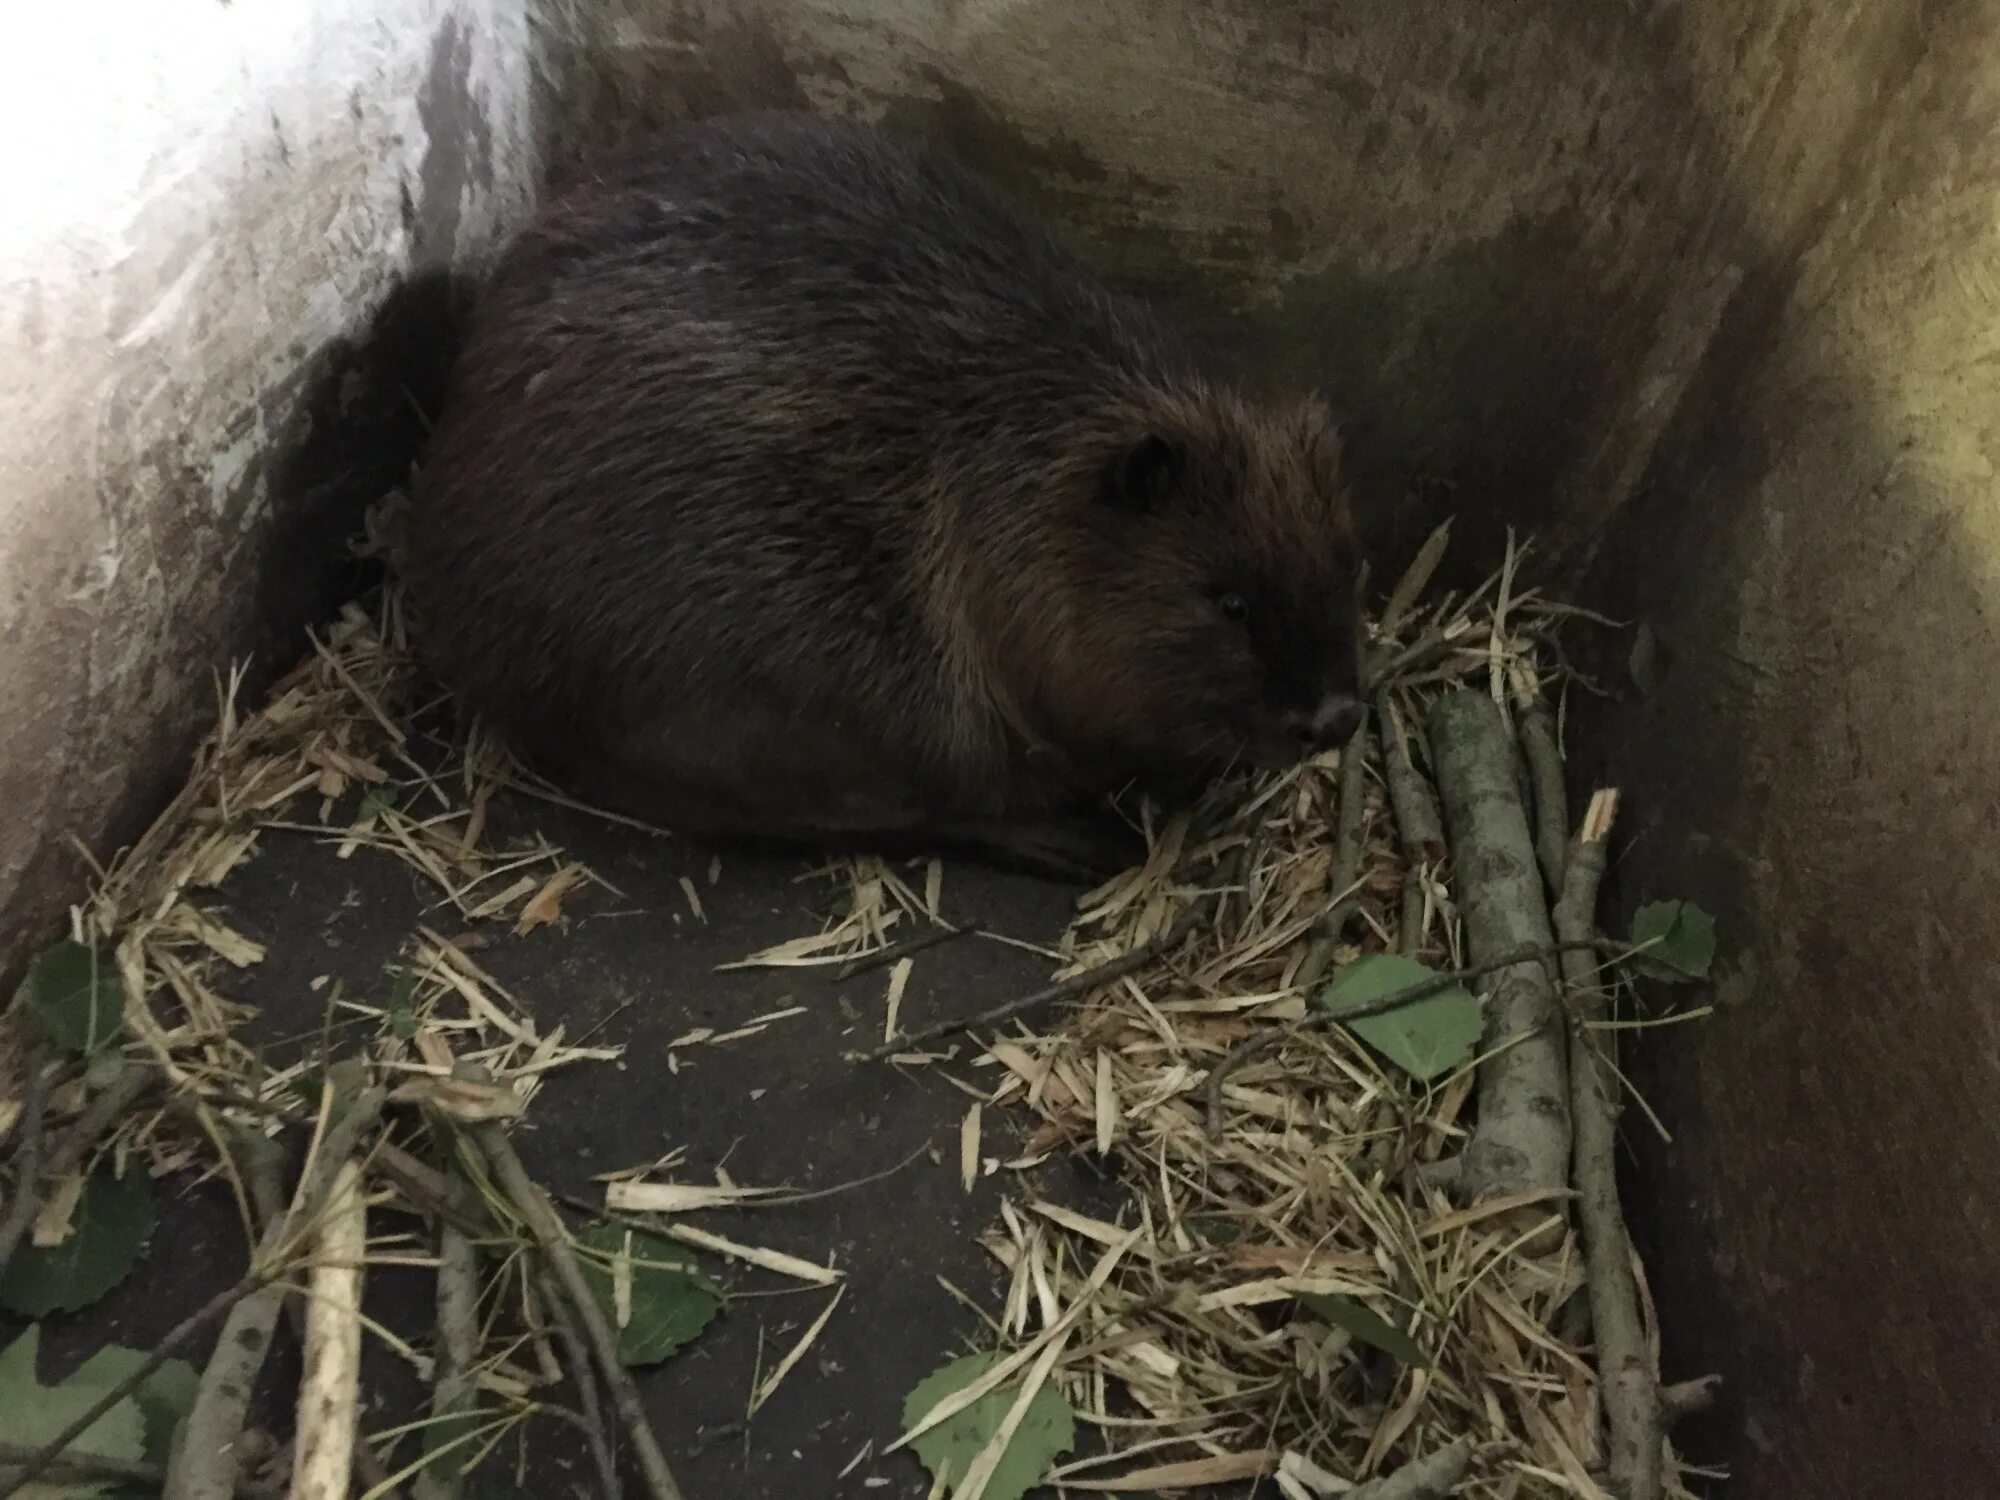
x=781, y=1108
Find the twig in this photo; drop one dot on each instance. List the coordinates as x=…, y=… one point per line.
x=944, y=932
x=263, y=1269
x=1419, y=824
x=597, y=1434
x=1347, y=842
x=330, y=1389
x=1426, y=650
x=27, y=1199
x=1543, y=752
x=431, y=1191
x=1433, y=1477
x=50, y=1453
x=205, y=1460
x=1079, y=983
x=80, y=1468
x=1686, y=1398
x=1409, y=994
x=453, y=1387
x=106, y=1110
x=261, y=1165
x=1238, y=897
x=1521, y=1143
x=1628, y=1386
x=529, y=1202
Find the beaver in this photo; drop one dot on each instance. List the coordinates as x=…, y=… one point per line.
x=790, y=489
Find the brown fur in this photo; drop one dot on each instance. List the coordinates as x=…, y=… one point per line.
x=790, y=487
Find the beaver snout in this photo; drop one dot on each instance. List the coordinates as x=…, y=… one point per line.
x=1330, y=724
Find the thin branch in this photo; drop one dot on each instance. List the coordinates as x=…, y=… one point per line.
x=1687, y=1398
x=1435, y=1476
x=535, y=1211
x=1426, y=650
x=1628, y=1385
x=1349, y=828
x=1521, y=1143
x=260, y=1163
x=80, y=1468
x=263, y=1269
x=107, y=1109
x=206, y=1455
x=1419, y=824
x=453, y=1386
x=944, y=932
x=1079, y=983
x=596, y=1432
x=330, y=1386
x=27, y=1199
x=1543, y=752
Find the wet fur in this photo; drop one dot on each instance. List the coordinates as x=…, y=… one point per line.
x=790, y=487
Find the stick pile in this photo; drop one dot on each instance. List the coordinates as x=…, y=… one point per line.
x=1335, y=1274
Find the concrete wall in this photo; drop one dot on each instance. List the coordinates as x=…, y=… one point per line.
x=1818, y=549
x=1704, y=289
x=222, y=253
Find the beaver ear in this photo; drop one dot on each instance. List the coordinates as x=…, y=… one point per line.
x=1320, y=432
x=1143, y=475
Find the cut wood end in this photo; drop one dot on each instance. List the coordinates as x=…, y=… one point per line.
x=1599, y=816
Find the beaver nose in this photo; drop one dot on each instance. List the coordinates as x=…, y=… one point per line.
x=1332, y=722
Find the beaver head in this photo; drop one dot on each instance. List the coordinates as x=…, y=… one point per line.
x=1198, y=603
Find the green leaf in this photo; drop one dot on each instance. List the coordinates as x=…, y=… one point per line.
x=1215, y=1231
x=164, y=1397
x=74, y=995
x=672, y=1302
x=400, y=1007
x=37, y=1413
x=1047, y=1430
x=1425, y=1038
x=1367, y=1325
x=114, y=1218
x=1678, y=939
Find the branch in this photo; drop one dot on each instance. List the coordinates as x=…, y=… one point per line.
x=453, y=1388
x=1687, y=1398
x=944, y=932
x=596, y=1433
x=1543, y=752
x=27, y=1199
x=263, y=1270
x=1419, y=824
x=553, y=1240
x=1628, y=1387
x=261, y=1164
x=1079, y=983
x=1521, y=1143
x=1427, y=650
x=81, y=1468
x=1347, y=841
x=106, y=1110
x=204, y=1465
x=1435, y=1476
x=330, y=1387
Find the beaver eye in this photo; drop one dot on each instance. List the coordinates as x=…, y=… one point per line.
x=1235, y=608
